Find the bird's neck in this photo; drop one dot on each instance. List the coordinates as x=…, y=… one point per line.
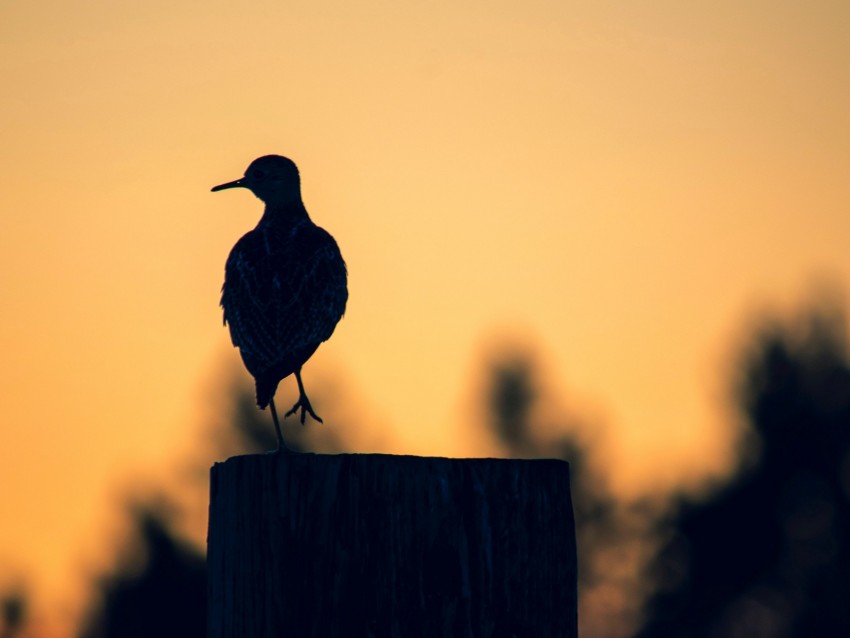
x=288, y=214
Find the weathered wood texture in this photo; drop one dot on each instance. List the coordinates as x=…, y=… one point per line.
x=391, y=546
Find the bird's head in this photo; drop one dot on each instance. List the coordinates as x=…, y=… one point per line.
x=272, y=178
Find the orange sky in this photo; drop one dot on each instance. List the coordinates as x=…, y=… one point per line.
x=625, y=182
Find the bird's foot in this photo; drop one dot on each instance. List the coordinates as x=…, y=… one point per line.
x=304, y=404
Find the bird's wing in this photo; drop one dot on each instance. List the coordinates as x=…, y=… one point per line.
x=281, y=297
x=323, y=289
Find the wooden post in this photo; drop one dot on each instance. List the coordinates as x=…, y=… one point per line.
x=380, y=546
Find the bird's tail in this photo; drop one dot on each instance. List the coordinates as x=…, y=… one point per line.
x=265, y=391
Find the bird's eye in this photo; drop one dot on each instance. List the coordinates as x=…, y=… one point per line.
x=258, y=174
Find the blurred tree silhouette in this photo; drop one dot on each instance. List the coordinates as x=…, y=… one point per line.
x=13, y=613
x=769, y=555
x=615, y=538
x=158, y=588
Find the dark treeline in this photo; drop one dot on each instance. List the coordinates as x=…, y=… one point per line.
x=769, y=554
x=765, y=554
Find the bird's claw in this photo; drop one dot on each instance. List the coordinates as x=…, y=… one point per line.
x=304, y=403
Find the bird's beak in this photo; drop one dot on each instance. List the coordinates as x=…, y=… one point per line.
x=237, y=184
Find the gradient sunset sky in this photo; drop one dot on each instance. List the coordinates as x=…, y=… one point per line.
x=625, y=185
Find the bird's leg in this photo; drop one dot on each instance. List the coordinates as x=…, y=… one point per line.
x=303, y=402
x=281, y=446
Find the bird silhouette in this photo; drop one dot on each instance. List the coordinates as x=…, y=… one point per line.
x=284, y=285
